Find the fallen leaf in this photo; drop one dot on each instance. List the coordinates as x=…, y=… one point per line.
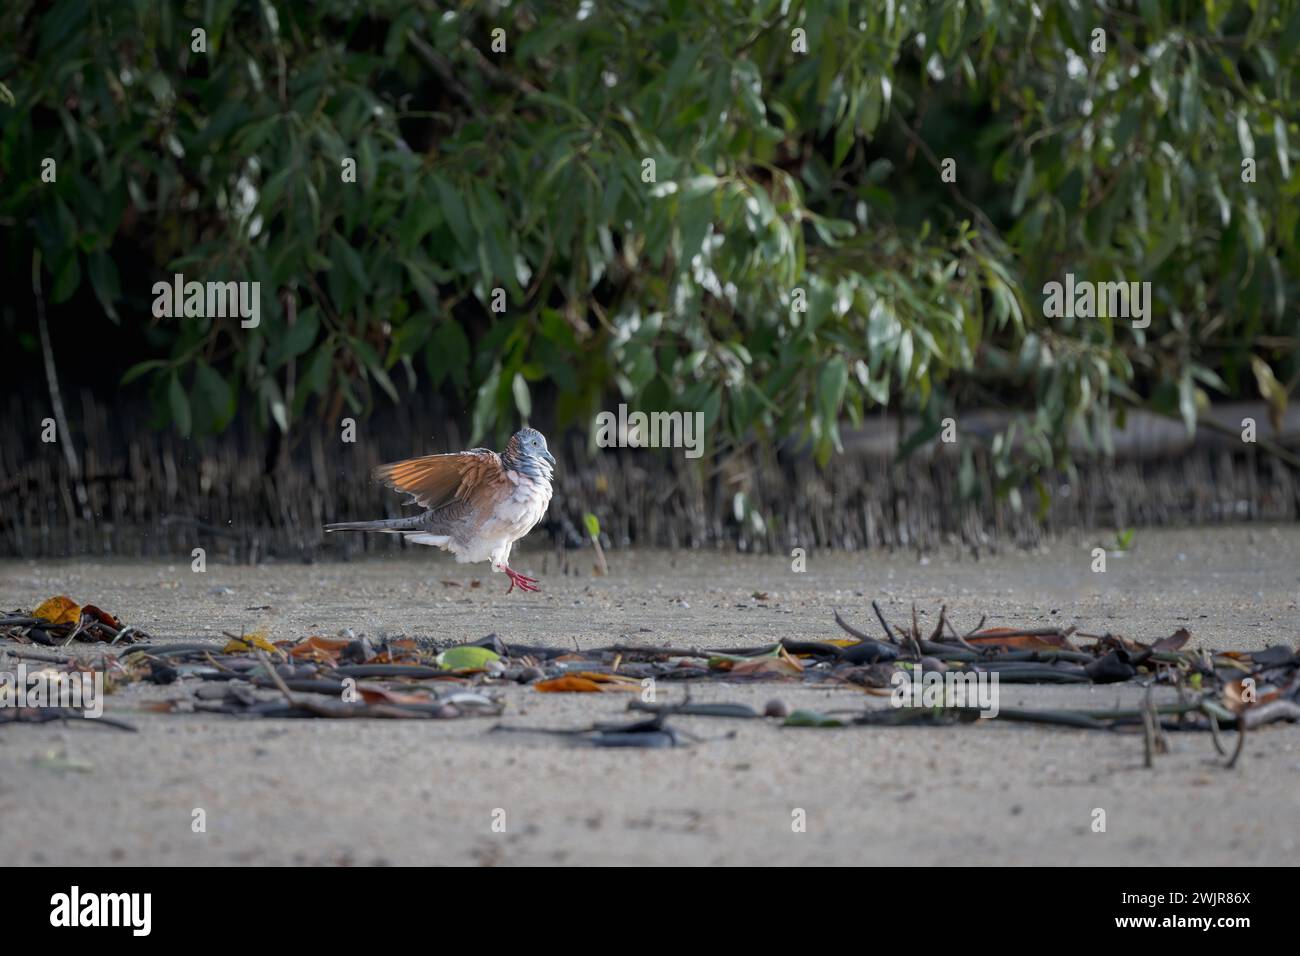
x=780, y=666
x=1272, y=656
x=811, y=718
x=604, y=678
x=726, y=662
x=54, y=760
x=569, y=684
x=466, y=657
x=1018, y=640
x=319, y=648
x=245, y=644
x=1233, y=692
x=1174, y=641
x=103, y=616
x=373, y=694
x=158, y=706
x=611, y=681
x=59, y=610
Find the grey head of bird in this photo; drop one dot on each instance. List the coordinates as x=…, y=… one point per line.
x=526, y=452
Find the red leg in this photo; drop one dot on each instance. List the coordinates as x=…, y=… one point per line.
x=524, y=582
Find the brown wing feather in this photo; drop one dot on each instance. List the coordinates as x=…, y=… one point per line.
x=434, y=481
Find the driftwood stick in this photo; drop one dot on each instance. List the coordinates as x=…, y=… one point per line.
x=937, y=636
x=961, y=641
x=1148, y=741
x=275, y=676
x=883, y=623
x=850, y=629
x=1214, y=731
x=1241, y=744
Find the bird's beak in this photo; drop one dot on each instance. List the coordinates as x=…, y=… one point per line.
x=549, y=457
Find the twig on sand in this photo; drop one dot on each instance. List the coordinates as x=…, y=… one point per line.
x=275, y=676
x=1241, y=744
x=883, y=623
x=937, y=636
x=853, y=631
x=1214, y=730
x=961, y=641
x=1150, y=730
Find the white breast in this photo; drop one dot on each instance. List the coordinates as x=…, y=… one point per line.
x=525, y=507
x=511, y=519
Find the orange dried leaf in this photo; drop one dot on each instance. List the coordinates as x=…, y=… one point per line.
x=608, y=681
x=319, y=648
x=603, y=678
x=103, y=616
x=994, y=637
x=1234, y=694
x=772, y=666
x=569, y=684
x=59, y=610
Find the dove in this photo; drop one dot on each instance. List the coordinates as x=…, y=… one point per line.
x=478, y=503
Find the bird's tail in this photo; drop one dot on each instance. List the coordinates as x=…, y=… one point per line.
x=387, y=525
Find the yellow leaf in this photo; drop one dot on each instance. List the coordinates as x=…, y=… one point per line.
x=1271, y=390
x=59, y=610
x=245, y=644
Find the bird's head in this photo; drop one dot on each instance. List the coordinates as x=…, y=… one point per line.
x=527, y=452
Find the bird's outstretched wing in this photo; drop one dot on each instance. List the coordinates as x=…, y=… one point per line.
x=435, y=481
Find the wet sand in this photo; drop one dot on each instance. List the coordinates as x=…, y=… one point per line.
x=428, y=792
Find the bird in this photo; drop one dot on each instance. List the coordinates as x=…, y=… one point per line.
x=477, y=503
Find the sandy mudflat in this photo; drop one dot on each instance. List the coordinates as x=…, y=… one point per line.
x=425, y=792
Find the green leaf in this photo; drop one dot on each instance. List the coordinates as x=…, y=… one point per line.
x=447, y=354
x=485, y=405
x=104, y=280
x=1245, y=141
x=465, y=657
x=811, y=718
x=351, y=261
x=216, y=395
x=140, y=368
x=830, y=387
x=1023, y=186
x=1280, y=142
x=523, y=401
x=180, y=406
x=453, y=207
x=297, y=338
x=66, y=279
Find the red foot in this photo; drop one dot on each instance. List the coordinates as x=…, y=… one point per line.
x=525, y=583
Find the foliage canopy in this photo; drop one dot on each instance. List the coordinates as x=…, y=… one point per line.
x=781, y=178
